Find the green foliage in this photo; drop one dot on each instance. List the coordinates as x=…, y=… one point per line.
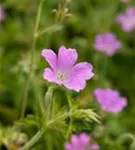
x=10, y=137
x=82, y=119
x=73, y=24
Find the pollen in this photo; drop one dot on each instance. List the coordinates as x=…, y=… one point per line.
x=62, y=76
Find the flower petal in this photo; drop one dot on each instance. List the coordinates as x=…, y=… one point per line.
x=99, y=95
x=49, y=75
x=68, y=146
x=94, y=147
x=84, y=139
x=50, y=57
x=75, y=142
x=66, y=57
x=83, y=70
x=75, y=84
x=110, y=100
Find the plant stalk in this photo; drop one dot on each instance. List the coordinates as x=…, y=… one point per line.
x=71, y=120
x=31, y=73
x=40, y=133
x=33, y=141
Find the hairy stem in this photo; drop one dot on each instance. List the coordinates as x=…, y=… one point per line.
x=31, y=72
x=33, y=141
x=71, y=120
x=53, y=28
x=40, y=133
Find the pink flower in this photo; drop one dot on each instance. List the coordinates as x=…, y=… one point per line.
x=81, y=142
x=127, y=20
x=110, y=100
x=107, y=43
x=125, y=1
x=65, y=71
x=2, y=14
x=94, y=147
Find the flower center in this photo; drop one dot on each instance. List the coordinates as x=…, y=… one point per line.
x=62, y=76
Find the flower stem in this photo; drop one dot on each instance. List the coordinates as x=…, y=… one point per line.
x=105, y=67
x=53, y=28
x=33, y=141
x=71, y=120
x=31, y=71
x=39, y=134
x=65, y=115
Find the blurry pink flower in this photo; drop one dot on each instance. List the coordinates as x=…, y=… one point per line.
x=94, y=147
x=110, y=100
x=81, y=142
x=125, y=1
x=65, y=71
x=107, y=43
x=2, y=14
x=127, y=20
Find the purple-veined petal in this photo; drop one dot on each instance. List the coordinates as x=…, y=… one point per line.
x=66, y=57
x=75, y=84
x=50, y=76
x=83, y=70
x=50, y=57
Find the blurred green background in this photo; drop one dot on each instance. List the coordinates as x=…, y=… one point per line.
x=86, y=19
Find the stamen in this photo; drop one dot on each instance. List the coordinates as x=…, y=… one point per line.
x=61, y=76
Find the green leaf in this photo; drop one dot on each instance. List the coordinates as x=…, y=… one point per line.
x=29, y=121
x=87, y=115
